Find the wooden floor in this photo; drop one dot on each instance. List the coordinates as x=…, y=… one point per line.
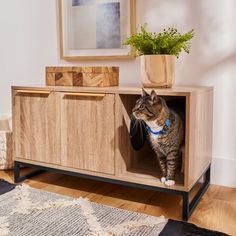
x=217, y=209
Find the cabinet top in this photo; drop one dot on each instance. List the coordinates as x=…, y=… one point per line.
x=176, y=90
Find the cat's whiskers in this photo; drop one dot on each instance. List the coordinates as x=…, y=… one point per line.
x=136, y=118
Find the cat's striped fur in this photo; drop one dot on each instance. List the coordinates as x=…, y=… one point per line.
x=153, y=110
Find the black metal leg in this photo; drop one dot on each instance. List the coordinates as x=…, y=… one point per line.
x=189, y=207
x=18, y=178
x=16, y=172
x=185, y=213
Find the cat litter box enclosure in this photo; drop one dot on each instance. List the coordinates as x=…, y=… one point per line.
x=105, y=153
x=6, y=145
x=82, y=76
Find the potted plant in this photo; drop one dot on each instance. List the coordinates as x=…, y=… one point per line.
x=158, y=52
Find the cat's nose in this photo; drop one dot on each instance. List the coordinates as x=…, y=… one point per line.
x=134, y=109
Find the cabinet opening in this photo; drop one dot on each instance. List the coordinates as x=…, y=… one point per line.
x=143, y=164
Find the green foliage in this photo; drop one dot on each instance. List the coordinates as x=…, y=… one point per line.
x=169, y=42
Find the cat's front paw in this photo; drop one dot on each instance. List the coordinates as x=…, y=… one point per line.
x=169, y=182
x=163, y=179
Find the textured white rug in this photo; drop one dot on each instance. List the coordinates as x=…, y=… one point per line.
x=25, y=211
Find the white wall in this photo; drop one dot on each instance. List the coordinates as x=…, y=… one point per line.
x=29, y=42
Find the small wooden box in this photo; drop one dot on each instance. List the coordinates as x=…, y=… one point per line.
x=82, y=76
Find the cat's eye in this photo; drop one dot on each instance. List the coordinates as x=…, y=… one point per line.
x=141, y=106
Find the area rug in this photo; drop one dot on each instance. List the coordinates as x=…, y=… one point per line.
x=25, y=211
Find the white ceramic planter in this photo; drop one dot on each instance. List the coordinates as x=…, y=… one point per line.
x=158, y=71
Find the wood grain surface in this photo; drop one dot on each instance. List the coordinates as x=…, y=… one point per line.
x=87, y=132
x=158, y=71
x=36, y=126
x=80, y=130
x=174, y=91
x=199, y=135
x=82, y=76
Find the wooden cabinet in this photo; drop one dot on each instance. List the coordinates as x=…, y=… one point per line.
x=68, y=129
x=37, y=125
x=86, y=130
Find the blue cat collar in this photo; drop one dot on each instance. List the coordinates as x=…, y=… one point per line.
x=163, y=131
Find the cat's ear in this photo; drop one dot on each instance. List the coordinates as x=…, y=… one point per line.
x=154, y=96
x=144, y=93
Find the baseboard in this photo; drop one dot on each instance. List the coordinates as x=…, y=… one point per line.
x=223, y=171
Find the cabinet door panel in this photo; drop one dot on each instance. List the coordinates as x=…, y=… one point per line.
x=88, y=132
x=37, y=126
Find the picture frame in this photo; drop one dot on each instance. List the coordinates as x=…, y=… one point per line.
x=96, y=29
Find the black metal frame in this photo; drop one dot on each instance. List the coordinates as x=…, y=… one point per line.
x=187, y=207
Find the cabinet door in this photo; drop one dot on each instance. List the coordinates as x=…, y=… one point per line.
x=88, y=132
x=37, y=126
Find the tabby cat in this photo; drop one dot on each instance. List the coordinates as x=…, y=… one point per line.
x=165, y=132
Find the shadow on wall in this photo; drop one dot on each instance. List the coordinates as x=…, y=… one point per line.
x=211, y=61
x=214, y=56
x=215, y=35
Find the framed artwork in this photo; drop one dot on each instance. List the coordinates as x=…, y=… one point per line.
x=96, y=29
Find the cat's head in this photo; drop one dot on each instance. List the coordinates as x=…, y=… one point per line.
x=150, y=107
